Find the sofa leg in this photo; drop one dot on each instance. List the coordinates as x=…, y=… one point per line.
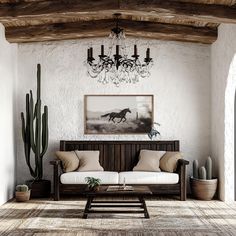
x=183, y=184
x=183, y=194
x=56, y=184
x=56, y=195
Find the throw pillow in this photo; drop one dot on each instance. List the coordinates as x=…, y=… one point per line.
x=169, y=161
x=70, y=161
x=149, y=160
x=89, y=161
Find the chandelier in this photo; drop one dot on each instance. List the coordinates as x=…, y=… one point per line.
x=118, y=68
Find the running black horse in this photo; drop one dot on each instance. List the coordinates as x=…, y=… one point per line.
x=121, y=115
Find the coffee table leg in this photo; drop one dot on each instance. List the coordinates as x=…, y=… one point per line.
x=146, y=214
x=87, y=207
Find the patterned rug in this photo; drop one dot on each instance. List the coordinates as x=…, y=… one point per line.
x=167, y=217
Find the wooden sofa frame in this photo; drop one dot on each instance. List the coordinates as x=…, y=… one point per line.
x=120, y=156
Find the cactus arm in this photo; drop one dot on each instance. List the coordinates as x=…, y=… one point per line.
x=195, y=169
x=208, y=167
x=44, y=131
x=202, y=172
x=25, y=134
x=23, y=130
x=38, y=81
x=31, y=111
x=38, y=140
x=35, y=111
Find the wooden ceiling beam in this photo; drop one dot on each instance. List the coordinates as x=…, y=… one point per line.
x=168, y=8
x=101, y=28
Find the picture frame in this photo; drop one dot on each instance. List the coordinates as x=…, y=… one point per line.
x=118, y=114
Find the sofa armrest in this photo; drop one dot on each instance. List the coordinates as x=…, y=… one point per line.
x=56, y=178
x=181, y=169
x=183, y=162
x=55, y=162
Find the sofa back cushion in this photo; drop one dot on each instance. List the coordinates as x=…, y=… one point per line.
x=89, y=161
x=149, y=160
x=169, y=161
x=70, y=161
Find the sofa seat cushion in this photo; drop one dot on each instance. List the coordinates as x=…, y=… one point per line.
x=107, y=177
x=147, y=177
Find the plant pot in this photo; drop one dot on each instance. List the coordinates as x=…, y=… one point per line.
x=22, y=196
x=39, y=188
x=96, y=188
x=203, y=189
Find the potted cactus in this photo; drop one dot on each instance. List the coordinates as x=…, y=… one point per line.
x=35, y=138
x=22, y=193
x=203, y=186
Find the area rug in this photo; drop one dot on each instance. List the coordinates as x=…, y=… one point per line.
x=167, y=217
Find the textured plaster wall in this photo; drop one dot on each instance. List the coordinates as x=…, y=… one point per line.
x=180, y=82
x=8, y=62
x=223, y=80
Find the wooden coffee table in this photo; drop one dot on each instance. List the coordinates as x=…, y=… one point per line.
x=138, y=192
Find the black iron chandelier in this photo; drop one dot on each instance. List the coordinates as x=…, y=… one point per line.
x=118, y=68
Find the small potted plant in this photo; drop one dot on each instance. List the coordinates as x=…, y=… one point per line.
x=93, y=183
x=203, y=186
x=22, y=193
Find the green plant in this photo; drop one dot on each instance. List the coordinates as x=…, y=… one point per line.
x=92, y=182
x=22, y=188
x=35, y=130
x=203, y=172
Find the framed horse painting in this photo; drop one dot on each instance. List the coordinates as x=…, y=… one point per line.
x=118, y=114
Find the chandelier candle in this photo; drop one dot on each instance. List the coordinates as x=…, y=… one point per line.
x=102, y=50
x=117, y=50
x=135, y=50
x=148, y=53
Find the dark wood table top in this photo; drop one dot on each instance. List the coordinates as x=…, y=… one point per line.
x=137, y=191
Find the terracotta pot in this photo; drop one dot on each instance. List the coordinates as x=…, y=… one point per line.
x=203, y=189
x=22, y=196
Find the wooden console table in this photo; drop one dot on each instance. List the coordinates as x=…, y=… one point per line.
x=138, y=192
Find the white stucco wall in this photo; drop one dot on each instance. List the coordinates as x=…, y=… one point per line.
x=180, y=82
x=8, y=62
x=223, y=82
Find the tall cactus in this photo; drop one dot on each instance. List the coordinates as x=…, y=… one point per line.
x=208, y=167
x=35, y=130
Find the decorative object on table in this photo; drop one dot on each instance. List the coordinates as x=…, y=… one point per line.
x=93, y=183
x=154, y=132
x=118, y=68
x=113, y=188
x=22, y=193
x=118, y=114
x=35, y=138
x=203, y=186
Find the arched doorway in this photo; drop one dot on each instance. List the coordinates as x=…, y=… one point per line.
x=229, y=133
x=235, y=146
